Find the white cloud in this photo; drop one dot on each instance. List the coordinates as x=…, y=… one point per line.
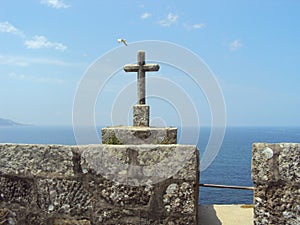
x=58, y=4
x=169, y=20
x=145, y=15
x=25, y=77
x=42, y=42
x=6, y=27
x=236, y=44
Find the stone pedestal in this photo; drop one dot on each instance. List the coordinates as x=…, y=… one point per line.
x=122, y=135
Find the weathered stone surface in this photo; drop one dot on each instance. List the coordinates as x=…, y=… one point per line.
x=289, y=163
x=16, y=190
x=71, y=222
x=139, y=165
x=117, y=216
x=102, y=184
x=109, y=193
x=134, y=220
x=32, y=160
x=276, y=162
x=7, y=216
x=139, y=135
x=277, y=204
x=63, y=196
x=21, y=215
x=179, y=198
x=190, y=168
x=276, y=175
x=141, y=115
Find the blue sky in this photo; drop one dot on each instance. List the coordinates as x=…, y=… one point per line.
x=252, y=47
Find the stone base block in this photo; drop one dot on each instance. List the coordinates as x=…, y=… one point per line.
x=122, y=135
x=141, y=115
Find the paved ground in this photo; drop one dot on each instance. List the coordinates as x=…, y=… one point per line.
x=225, y=215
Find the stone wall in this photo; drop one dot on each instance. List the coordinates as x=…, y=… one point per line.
x=98, y=184
x=276, y=177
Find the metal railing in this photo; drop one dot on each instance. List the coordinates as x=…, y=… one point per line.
x=227, y=186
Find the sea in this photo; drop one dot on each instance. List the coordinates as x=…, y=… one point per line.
x=232, y=165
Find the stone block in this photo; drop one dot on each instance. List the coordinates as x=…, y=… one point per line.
x=125, y=135
x=276, y=175
x=140, y=164
x=277, y=204
x=108, y=193
x=16, y=190
x=276, y=162
x=112, y=184
x=141, y=115
x=157, y=183
x=36, y=160
x=180, y=198
x=63, y=196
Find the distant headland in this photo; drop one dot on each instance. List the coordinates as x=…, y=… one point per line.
x=8, y=122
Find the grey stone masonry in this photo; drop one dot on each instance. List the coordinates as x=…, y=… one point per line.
x=139, y=135
x=141, y=115
x=276, y=178
x=98, y=184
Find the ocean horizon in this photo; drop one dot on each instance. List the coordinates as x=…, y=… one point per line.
x=232, y=165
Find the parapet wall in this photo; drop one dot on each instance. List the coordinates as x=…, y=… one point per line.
x=98, y=184
x=276, y=177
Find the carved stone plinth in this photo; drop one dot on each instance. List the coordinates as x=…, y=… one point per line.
x=121, y=135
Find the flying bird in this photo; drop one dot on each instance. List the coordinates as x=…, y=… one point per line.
x=122, y=40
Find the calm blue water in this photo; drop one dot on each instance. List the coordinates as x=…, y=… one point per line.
x=232, y=166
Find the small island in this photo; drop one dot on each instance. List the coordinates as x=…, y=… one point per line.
x=9, y=122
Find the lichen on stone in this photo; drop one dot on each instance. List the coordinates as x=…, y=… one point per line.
x=179, y=198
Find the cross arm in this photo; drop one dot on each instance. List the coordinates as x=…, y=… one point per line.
x=136, y=67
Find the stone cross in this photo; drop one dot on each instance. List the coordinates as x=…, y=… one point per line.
x=141, y=110
x=141, y=68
